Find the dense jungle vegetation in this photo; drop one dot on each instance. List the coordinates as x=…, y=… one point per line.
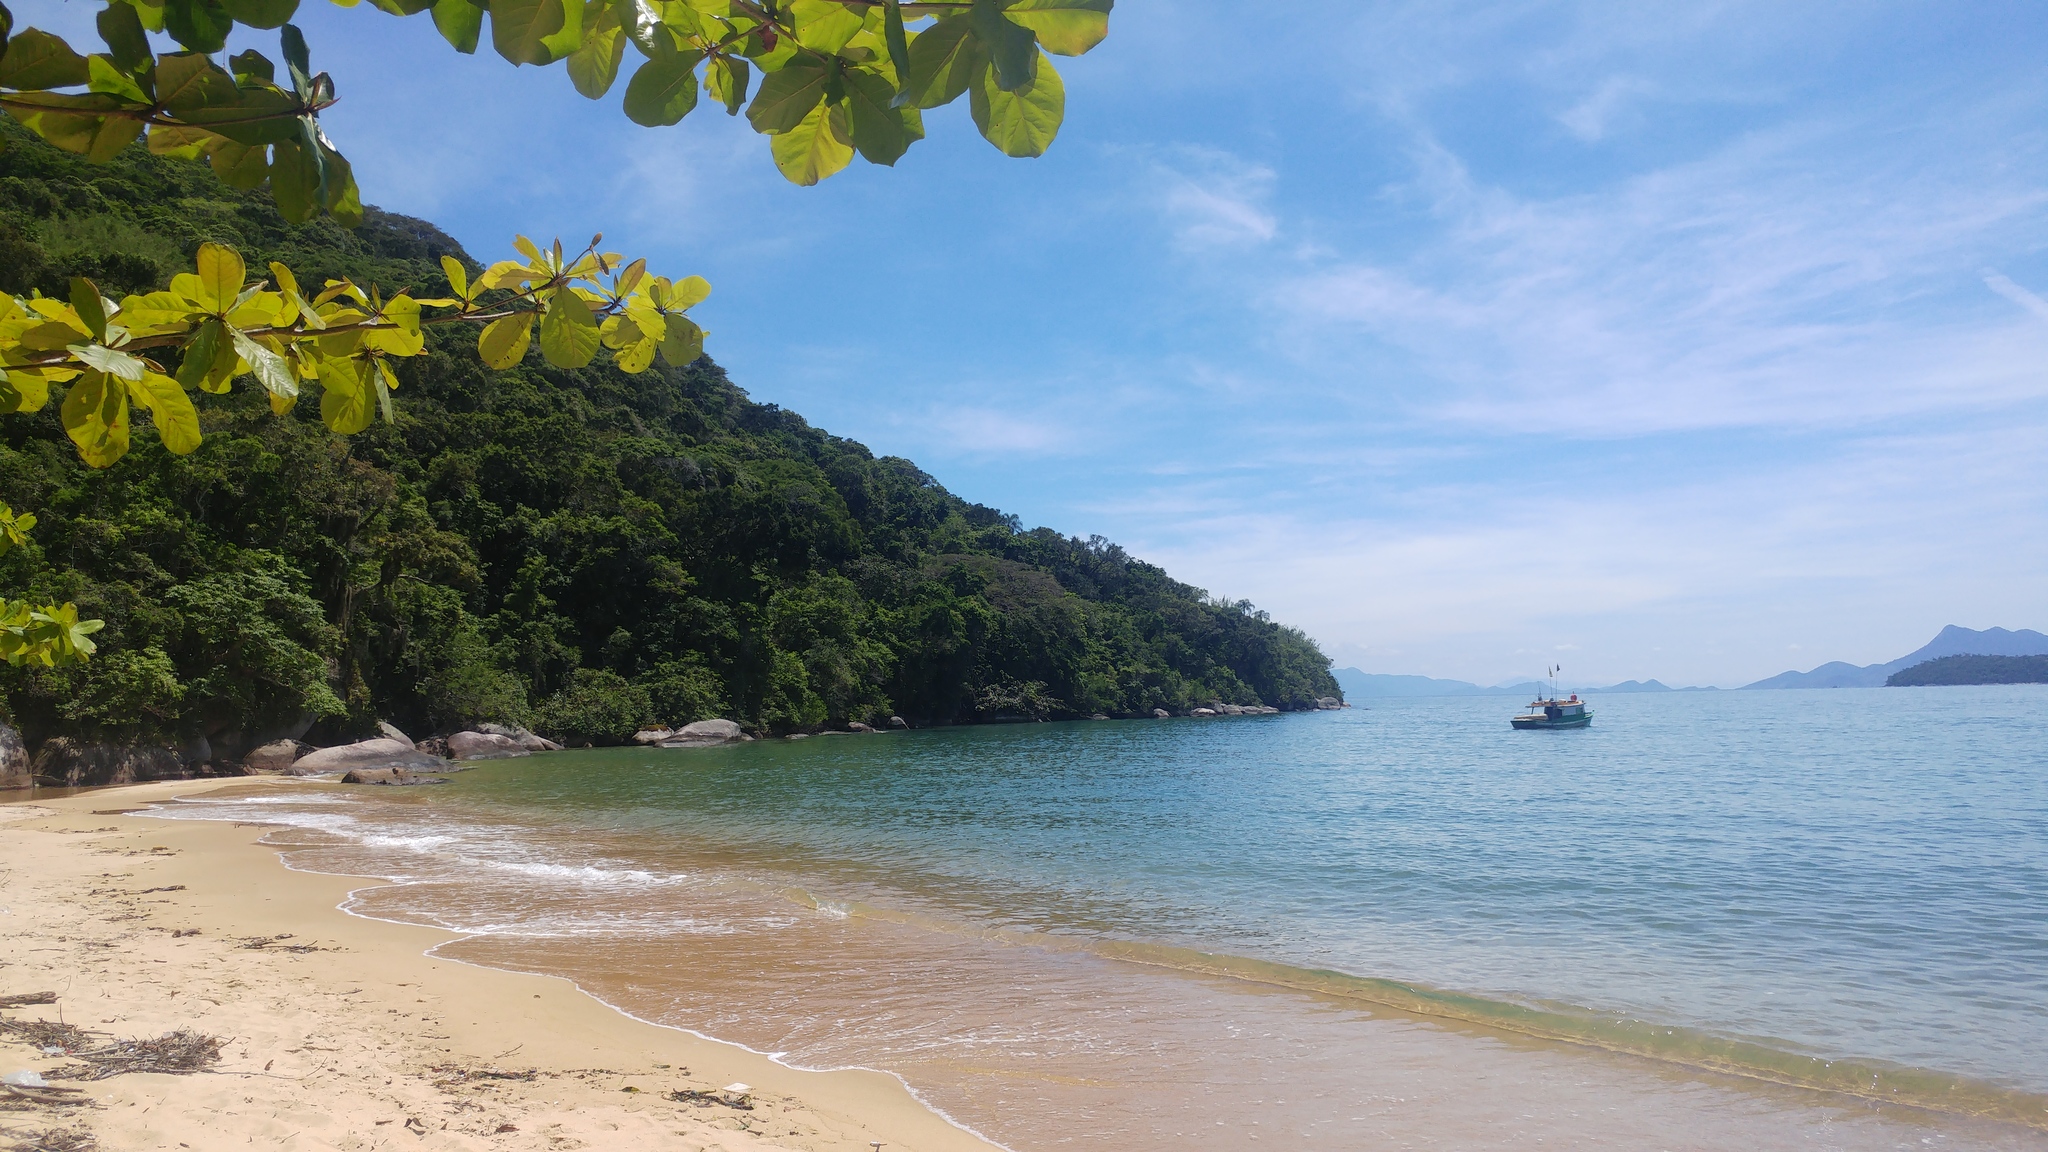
x=580, y=551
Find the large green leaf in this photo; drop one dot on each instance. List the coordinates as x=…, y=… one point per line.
x=726, y=79
x=944, y=60
x=568, y=331
x=1021, y=123
x=520, y=28
x=1064, y=27
x=683, y=342
x=595, y=65
x=295, y=180
x=788, y=96
x=127, y=43
x=460, y=23
x=240, y=165
x=189, y=81
x=95, y=416
x=664, y=89
x=200, y=25
x=177, y=422
x=881, y=131
x=222, y=275
x=1013, y=50
x=567, y=39
x=504, y=341
x=270, y=369
x=347, y=403
x=815, y=148
x=261, y=13
x=36, y=60
x=824, y=26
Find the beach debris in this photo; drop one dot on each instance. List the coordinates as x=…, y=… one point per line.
x=455, y=1075
x=23, y=999
x=277, y=944
x=180, y=1052
x=26, y=1078
x=47, y=1034
x=20, y=1089
x=56, y=1140
x=735, y=1096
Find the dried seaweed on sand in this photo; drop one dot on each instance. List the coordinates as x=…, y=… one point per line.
x=54, y=1140
x=182, y=1051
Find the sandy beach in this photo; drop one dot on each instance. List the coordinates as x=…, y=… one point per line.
x=343, y=1032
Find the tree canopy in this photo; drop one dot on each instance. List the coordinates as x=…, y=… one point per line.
x=836, y=77
x=579, y=549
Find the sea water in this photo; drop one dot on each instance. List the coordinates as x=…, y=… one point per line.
x=1736, y=919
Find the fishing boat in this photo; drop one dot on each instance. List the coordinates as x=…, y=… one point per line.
x=1552, y=712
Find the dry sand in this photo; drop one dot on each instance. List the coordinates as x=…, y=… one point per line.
x=341, y=1032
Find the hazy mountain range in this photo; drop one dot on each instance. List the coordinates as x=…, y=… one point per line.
x=1951, y=641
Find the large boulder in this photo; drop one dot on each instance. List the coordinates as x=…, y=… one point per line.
x=1161, y=714
x=652, y=736
x=520, y=736
x=704, y=734
x=391, y=732
x=382, y=752
x=276, y=756
x=15, y=769
x=1203, y=712
x=1328, y=703
x=483, y=746
x=66, y=763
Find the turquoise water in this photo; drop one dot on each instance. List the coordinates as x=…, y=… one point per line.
x=1748, y=879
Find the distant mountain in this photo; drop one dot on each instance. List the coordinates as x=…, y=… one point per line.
x=1973, y=670
x=1358, y=685
x=1950, y=641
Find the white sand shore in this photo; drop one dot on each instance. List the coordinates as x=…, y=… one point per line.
x=142, y=926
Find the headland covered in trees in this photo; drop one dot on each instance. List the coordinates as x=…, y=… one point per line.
x=584, y=552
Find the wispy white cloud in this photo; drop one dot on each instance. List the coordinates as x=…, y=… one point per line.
x=1212, y=198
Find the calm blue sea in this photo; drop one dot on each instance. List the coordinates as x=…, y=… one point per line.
x=1853, y=875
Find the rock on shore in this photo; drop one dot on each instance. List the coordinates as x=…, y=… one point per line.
x=702, y=734
x=483, y=746
x=382, y=752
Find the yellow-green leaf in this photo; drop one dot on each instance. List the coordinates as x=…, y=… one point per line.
x=788, y=95
x=177, y=422
x=726, y=79
x=663, y=90
x=36, y=60
x=346, y=403
x=458, y=276
x=944, y=60
x=568, y=332
x=824, y=26
x=239, y=165
x=221, y=276
x=815, y=148
x=23, y=390
x=1064, y=27
x=460, y=23
x=95, y=416
x=595, y=64
x=270, y=369
x=881, y=132
x=505, y=340
x=683, y=342
x=1024, y=122
x=519, y=29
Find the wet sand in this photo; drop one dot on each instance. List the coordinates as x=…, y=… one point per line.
x=343, y=1032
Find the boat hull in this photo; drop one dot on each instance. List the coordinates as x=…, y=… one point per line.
x=1526, y=723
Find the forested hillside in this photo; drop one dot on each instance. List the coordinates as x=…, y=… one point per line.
x=1973, y=670
x=581, y=551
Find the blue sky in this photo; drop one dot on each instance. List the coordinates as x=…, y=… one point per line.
x=1696, y=343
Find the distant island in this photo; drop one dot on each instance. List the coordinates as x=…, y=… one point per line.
x=1973, y=670
x=1357, y=685
x=1950, y=641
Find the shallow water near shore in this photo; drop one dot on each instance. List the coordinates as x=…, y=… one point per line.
x=1335, y=930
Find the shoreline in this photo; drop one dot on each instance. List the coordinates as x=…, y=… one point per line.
x=352, y=1024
